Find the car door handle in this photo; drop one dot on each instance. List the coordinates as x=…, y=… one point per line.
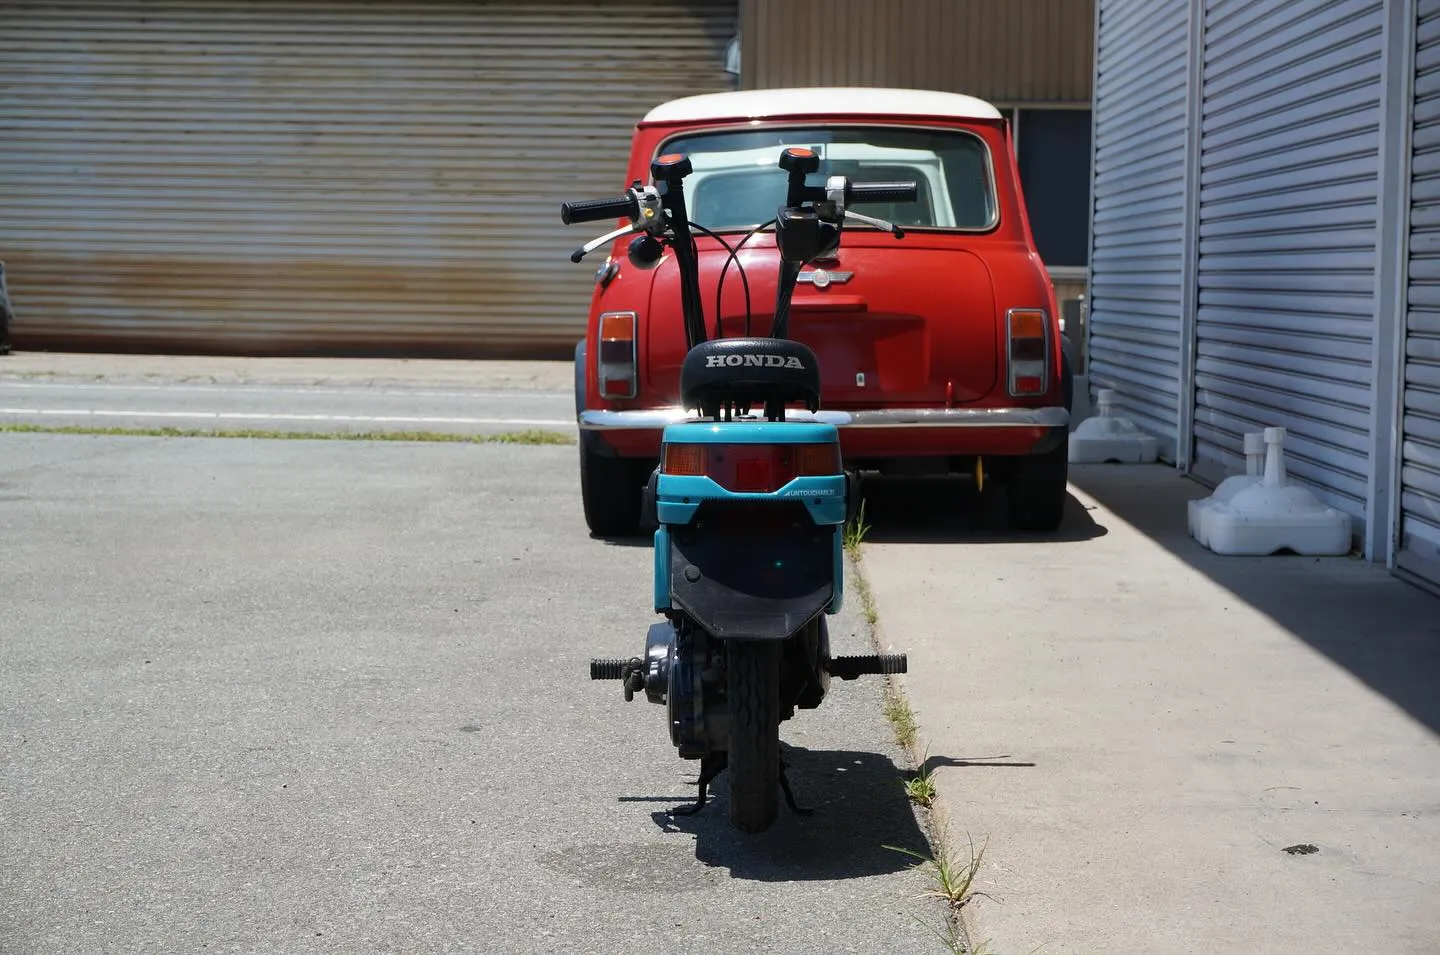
x=829, y=303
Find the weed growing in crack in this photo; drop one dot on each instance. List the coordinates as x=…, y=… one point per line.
x=921, y=789
x=952, y=879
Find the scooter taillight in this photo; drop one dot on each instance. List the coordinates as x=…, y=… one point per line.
x=752, y=468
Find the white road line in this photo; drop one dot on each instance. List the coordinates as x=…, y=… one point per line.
x=239, y=388
x=262, y=416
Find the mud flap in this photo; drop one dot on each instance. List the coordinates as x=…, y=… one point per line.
x=752, y=585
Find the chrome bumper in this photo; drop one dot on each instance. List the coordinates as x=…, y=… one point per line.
x=652, y=419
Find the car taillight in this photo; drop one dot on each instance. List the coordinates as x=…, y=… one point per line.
x=1029, y=350
x=752, y=468
x=616, y=361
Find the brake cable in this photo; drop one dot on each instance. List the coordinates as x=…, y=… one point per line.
x=734, y=257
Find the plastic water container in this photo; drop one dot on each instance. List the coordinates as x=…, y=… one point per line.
x=1232, y=485
x=1109, y=438
x=1274, y=515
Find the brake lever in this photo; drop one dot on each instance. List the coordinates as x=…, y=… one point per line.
x=880, y=224
x=651, y=219
x=605, y=239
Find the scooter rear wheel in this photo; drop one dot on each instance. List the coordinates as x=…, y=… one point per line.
x=753, y=704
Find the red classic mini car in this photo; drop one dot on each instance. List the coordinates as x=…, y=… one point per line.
x=939, y=353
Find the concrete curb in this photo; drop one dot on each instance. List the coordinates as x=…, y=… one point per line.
x=936, y=817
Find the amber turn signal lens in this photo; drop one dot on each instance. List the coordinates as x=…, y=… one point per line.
x=617, y=327
x=1027, y=323
x=816, y=459
x=684, y=459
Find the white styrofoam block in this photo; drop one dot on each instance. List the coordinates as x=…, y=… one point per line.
x=1265, y=520
x=1232, y=485
x=1274, y=515
x=1106, y=438
x=1080, y=402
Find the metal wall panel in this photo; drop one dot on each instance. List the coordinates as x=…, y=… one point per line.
x=1419, y=531
x=320, y=175
x=1008, y=51
x=1136, y=255
x=1289, y=176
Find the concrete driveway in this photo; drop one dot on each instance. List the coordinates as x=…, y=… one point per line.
x=1149, y=737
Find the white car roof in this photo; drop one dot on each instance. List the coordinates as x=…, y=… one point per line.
x=849, y=101
x=767, y=156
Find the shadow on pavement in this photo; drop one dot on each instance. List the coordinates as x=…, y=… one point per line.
x=1384, y=631
x=860, y=808
x=933, y=763
x=950, y=510
x=638, y=540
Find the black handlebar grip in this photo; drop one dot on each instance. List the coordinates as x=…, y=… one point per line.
x=593, y=210
x=884, y=192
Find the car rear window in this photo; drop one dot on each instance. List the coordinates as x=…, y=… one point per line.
x=737, y=183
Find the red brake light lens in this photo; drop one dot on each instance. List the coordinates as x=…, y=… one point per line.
x=752, y=468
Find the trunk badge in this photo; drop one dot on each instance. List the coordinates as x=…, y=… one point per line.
x=822, y=279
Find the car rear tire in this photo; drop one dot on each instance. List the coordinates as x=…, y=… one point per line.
x=1037, y=490
x=752, y=687
x=610, y=489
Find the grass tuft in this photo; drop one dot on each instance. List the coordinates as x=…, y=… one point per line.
x=855, y=531
x=901, y=716
x=532, y=436
x=952, y=937
x=952, y=879
x=921, y=789
x=868, y=609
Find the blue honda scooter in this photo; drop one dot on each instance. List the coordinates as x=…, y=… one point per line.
x=750, y=500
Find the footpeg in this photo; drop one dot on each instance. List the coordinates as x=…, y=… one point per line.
x=848, y=668
x=632, y=671
x=608, y=668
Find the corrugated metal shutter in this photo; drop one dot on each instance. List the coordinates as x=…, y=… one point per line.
x=1288, y=206
x=1419, y=540
x=321, y=176
x=1136, y=255
x=1011, y=51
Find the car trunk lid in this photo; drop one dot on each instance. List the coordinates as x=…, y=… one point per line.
x=914, y=326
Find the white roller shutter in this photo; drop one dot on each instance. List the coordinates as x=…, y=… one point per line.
x=1419, y=537
x=1136, y=254
x=313, y=175
x=1287, y=237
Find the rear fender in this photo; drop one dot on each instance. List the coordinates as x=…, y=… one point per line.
x=750, y=586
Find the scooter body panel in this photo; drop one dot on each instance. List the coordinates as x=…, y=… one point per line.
x=768, y=562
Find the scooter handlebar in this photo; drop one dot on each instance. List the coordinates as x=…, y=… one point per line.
x=594, y=210
x=883, y=192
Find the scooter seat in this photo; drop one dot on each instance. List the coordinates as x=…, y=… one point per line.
x=750, y=371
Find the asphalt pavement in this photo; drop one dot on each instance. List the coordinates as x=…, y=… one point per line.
x=321, y=696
